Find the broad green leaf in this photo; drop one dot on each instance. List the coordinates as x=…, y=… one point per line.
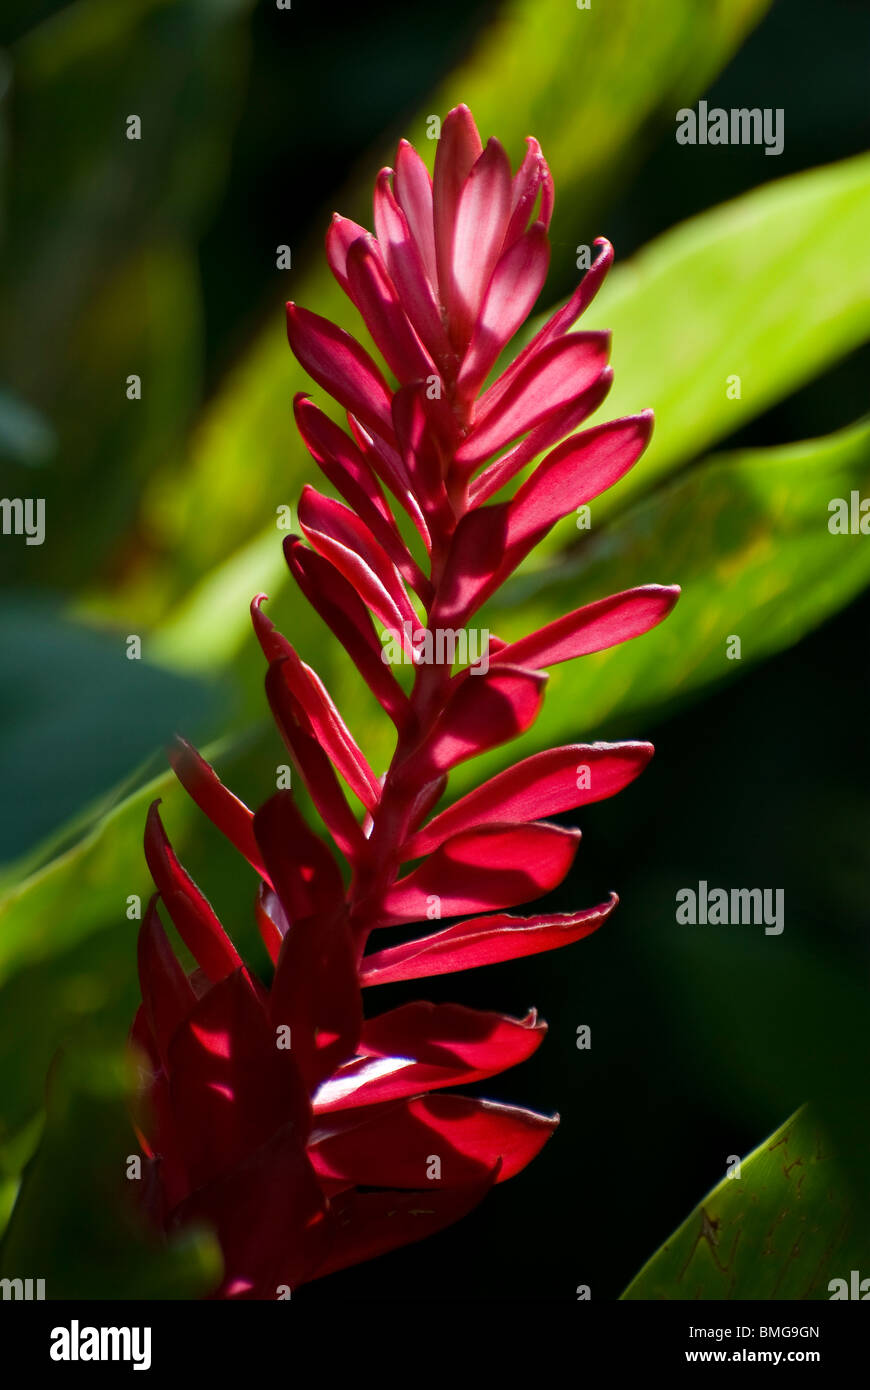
x=744, y=534
x=85, y=887
x=771, y=289
x=783, y=1229
x=542, y=67
x=84, y=994
x=106, y=443
x=75, y=1222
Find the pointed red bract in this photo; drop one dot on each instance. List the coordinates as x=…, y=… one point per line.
x=231, y=1089
x=191, y=913
x=483, y=711
x=338, y=364
x=423, y=1047
x=516, y=282
x=167, y=996
x=495, y=866
x=551, y=380
x=543, y=785
x=222, y=807
x=481, y=941
x=394, y=1142
x=595, y=627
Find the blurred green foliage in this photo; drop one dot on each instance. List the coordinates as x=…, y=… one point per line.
x=161, y=511
x=87, y=1143
x=100, y=275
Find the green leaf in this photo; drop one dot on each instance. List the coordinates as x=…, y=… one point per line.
x=781, y=1230
x=75, y=1223
x=79, y=881
x=85, y=887
x=771, y=288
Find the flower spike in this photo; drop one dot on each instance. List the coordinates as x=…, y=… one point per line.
x=298, y=1125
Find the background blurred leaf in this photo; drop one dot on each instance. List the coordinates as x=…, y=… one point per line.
x=25, y=436
x=100, y=278
x=748, y=290
x=782, y=1230
x=15, y=1152
x=75, y=1224
x=76, y=715
x=745, y=534
x=50, y=901
x=87, y=885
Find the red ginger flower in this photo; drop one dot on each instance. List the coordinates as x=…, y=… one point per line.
x=304, y=1132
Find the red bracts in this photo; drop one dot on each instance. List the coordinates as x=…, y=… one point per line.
x=312, y=1133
